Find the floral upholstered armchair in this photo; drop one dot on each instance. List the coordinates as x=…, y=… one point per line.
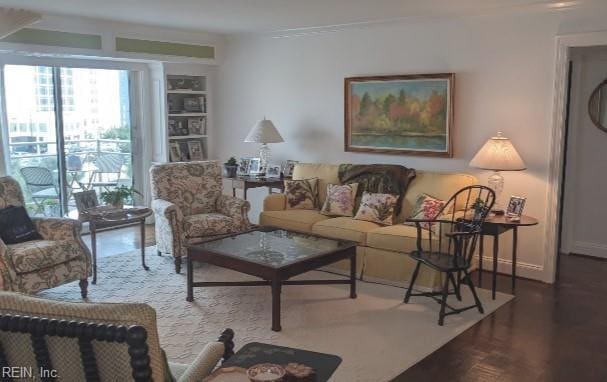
x=59, y=258
x=189, y=206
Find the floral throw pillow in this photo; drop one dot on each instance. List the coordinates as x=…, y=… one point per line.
x=340, y=200
x=302, y=194
x=426, y=207
x=377, y=208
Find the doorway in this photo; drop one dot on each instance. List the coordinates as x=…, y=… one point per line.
x=69, y=130
x=584, y=186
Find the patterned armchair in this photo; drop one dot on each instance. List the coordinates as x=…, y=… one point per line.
x=189, y=206
x=59, y=258
x=78, y=341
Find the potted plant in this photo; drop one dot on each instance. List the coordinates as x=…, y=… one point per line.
x=479, y=207
x=51, y=207
x=230, y=167
x=118, y=196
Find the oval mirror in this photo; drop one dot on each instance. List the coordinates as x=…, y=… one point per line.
x=597, y=106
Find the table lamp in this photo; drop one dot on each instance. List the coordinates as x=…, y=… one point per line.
x=498, y=154
x=264, y=132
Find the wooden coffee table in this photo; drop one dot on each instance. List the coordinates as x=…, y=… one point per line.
x=275, y=256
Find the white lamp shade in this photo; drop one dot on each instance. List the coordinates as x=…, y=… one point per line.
x=498, y=154
x=264, y=131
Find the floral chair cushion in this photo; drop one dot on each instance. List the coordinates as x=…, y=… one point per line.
x=340, y=200
x=209, y=224
x=35, y=255
x=426, y=208
x=302, y=194
x=377, y=208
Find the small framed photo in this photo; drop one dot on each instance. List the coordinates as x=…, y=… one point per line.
x=176, y=128
x=243, y=166
x=255, y=166
x=273, y=171
x=515, y=207
x=196, y=126
x=192, y=104
x=175, y=152
x=288, y=168
x=86, y=200
x=195, y=150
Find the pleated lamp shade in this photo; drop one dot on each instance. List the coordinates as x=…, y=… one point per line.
x=498, y=154
x=264, y=131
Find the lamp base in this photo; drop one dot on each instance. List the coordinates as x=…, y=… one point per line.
x=264, y=155
x=496, y=183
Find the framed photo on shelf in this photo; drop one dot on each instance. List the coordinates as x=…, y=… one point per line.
x=192, y=104
x=273, y=171
x=288, y=168
x=515, y=207
x=255, y=167
x=175, y=152
x=197, y=126
x=177, y=129
x=243, y=166
x=195, y=150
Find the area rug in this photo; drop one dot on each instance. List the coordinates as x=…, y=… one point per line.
x=376, y=334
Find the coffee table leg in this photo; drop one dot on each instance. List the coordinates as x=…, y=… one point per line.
x=143, y=246
x=190, y=296
x=353, y=276
x=276, y=289
x=94, y=250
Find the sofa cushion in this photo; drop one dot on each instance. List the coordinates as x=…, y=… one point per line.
x=34, y=255
x=340, y=200
x=345, y=228
x=293, y=220
x=439, y=185
x=399, y=238
x=326, y=173
x=209, y=224
x=378, y=208
x=302, y=194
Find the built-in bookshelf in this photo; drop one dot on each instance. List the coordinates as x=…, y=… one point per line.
x=187, y=117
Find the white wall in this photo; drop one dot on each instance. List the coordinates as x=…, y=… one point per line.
x=585, y=187
x=504, y=69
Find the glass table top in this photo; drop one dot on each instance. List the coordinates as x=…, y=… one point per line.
x=275, y=248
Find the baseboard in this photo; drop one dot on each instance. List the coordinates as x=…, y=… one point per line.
x=523, y=269
x=589, y=249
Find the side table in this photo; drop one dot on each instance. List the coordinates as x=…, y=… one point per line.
x=495, y=225
x=104, y=219
x=246, y=182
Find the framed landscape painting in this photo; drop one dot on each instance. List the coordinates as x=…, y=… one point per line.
x=404, y=114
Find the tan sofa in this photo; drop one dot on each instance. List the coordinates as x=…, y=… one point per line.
x=381, y=250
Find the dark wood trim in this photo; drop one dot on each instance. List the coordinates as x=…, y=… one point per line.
x=451, y=114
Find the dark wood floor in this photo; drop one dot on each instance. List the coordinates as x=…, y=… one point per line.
x=547, y=333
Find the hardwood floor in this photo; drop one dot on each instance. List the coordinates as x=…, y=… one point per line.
x=547, y=333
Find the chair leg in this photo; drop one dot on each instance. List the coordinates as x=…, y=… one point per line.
x=178, y=264
x=84, y=284
x=471, y=286
x=441, y=315
x=455, y=287
x=413, y=277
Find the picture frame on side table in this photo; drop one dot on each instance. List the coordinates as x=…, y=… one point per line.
x=393, y=128
x=85, y=200
x=273, y=171
x=243, y=167
x=175, y=152
x=514, y=211
x=255, y=168
x=195, y=150
x=288, y=168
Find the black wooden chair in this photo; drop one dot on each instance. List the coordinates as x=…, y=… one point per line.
x=449, y=245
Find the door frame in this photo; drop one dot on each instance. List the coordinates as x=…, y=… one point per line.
x=557, y=142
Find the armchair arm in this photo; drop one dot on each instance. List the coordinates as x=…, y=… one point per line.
x=235, y=208
x=166, y=209
x=275, y=202
x=7, y=273
x=58, y=228
x=204, y=363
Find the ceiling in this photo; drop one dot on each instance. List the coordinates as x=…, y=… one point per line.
x=247, y=16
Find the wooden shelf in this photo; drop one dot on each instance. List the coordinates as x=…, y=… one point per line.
x=186, y=92
x=187, y=114
x=197, y=136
